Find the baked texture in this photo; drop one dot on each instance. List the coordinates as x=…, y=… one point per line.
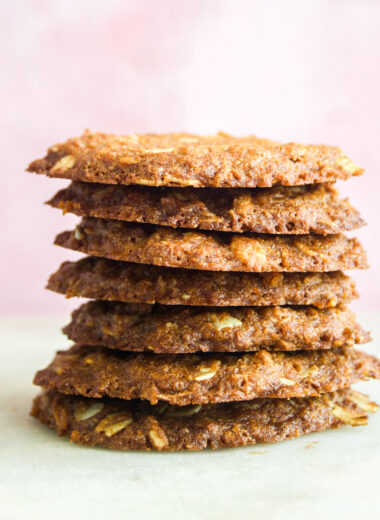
x=282, y=209
x=104, y=279
x=181, y=330
x=213, y=251
x=189, y=160
x=137, y=425
x=184, y=379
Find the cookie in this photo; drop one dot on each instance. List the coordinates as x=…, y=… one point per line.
x=296, y=210
x=213, y=251
x=104, y=279
x=190, y=160
x=137, y=425
x=184, y=379
x=180, y=330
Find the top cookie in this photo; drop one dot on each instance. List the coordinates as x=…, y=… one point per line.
x=182, y=159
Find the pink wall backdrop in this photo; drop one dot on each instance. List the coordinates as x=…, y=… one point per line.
x=291, y=70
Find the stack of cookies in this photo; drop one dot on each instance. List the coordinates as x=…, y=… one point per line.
x=218, y=313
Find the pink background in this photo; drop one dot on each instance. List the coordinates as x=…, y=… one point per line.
x=290, y=70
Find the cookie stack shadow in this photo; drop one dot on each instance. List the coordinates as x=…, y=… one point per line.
x=218, y=309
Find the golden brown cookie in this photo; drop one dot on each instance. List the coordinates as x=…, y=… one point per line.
x=213, y=251
x=296, y=210
x=104, y=279
x=180, y=330
x=137, y=425
x=184, y=379
x=190, y=160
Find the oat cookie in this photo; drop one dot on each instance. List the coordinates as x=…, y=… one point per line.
x=297, y=210
x=104, y=279
x=180, y=330
x=189, y=160
x=213, y=251
x=184, y=379
x=137, y=425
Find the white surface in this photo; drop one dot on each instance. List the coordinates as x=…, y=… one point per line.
x=327, y=475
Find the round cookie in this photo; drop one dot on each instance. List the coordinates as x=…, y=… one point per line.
x=207, y=378
x=213, y=251
x=104, y=279
x=281, y=209
x=181, y=159
x=137, y=425
x=161, y=329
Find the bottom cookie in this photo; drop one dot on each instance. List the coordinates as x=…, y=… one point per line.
x=137, y=425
